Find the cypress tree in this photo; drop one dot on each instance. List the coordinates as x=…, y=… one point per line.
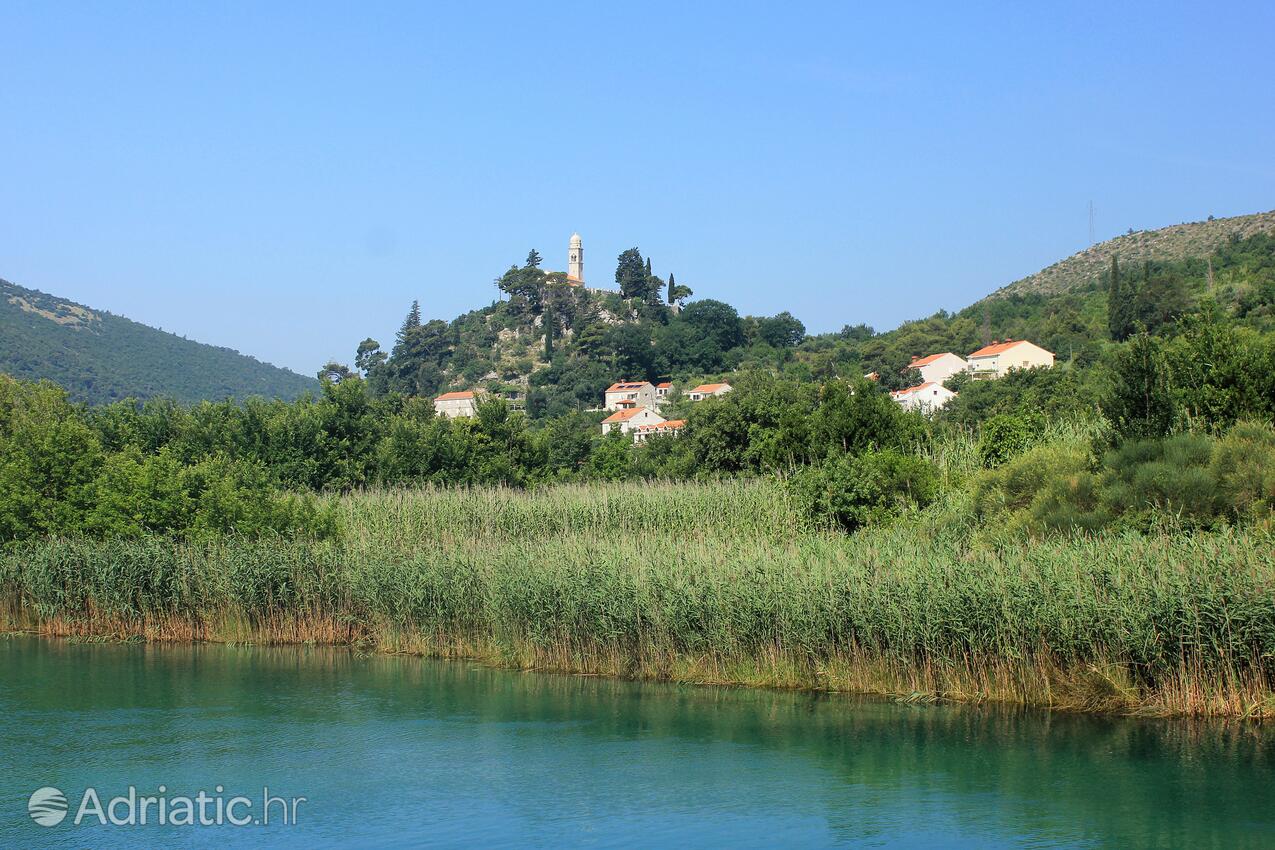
x=671, y=284
x=1115, y=303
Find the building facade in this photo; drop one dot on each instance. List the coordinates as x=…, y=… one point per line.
x=704, y=391
x=923, y=398
x=938, y=367
x=628, y=419
x=672, y=427
x=629, y=394
x=997, y=359
x=457, y=405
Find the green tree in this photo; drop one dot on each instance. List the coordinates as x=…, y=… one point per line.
x=781, y=331
x=1140, y=402
x=631, y=274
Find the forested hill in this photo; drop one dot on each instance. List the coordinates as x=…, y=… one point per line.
x=1168, y=244
x=99, y=357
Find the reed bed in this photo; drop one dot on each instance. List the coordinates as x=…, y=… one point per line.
x=703, y=583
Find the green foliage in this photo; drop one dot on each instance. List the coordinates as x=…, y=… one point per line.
x=1007, y=435
x=100, y=358
x=59, y=475
x=853, y=491
x=1185, y=481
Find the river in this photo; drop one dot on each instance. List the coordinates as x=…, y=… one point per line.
x=399, y=751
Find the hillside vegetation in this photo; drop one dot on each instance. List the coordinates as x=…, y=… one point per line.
x=99, y=357
x=1176, y=242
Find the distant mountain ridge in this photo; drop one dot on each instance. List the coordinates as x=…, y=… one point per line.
x=1175, y=242
x=100, y=357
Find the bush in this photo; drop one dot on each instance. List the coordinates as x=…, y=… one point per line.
x=855, y=491
x=1189, y=481
x=1243, y=464
x=1008, y=435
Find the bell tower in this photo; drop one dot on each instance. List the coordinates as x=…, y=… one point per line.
x=575, y=258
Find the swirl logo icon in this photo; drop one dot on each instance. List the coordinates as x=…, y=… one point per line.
x=47, y=806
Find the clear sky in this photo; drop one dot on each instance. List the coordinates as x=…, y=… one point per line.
x=284, y=180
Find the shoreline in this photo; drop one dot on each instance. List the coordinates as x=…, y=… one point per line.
x=1040, y=683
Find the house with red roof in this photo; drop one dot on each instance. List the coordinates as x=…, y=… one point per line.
x=704, y=391
x=923, y=398
x=627, y=394
x=672, y=427
x=997, y=359
x=457, y=404
x=628, y=419
x=938, y=367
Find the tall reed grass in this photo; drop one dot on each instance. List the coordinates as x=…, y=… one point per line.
x=710, y=583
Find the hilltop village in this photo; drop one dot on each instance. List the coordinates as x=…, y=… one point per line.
x=635, y=404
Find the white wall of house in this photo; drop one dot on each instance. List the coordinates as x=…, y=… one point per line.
x=924, y=398
x=673, y=427
x=704, y=391
x=627, y=420
x=453, y=408
x=641, y=393
x=938, y=368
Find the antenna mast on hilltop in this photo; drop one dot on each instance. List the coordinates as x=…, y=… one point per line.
x=1091, y=222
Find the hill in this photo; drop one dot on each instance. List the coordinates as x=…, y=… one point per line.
x=99, y=357
x=558, y=345
x=1168, y=244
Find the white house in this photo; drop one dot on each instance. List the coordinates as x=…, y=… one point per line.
x=630, y=418
x=662, y=390
x=703, y=391
x=995, y=360
x=923, y=398
x=630, y=394
x=938, y=367
x=672, y=427
x=453, y=405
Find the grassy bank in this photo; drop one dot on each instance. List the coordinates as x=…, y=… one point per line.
x=703, y=583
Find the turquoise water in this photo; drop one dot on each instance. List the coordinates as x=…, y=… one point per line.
x=392, y=751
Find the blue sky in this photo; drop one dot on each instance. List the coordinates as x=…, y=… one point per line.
x=284, y=180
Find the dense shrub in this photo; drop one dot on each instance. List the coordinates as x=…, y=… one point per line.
x=1188, y=481
x=852, y=491
x=1007, y=435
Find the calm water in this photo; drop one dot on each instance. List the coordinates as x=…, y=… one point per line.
x=404, y=752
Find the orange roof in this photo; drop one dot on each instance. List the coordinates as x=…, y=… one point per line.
x=625, y=385
x=624, y=415
x=455, y=396
x=709, y=388
x=997, y=348
x=926, y=361
x=664, y=386
x=672, y=424
x=910, y=390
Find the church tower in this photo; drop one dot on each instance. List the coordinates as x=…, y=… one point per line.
x=575, y=258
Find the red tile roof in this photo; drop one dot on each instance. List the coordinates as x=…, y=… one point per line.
x=664, y=386
x=926, y=361
x=910, y=390
x=624, y=415
x=709, y=388
x=671, y=425
x=997, y=348
x=455, y=396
